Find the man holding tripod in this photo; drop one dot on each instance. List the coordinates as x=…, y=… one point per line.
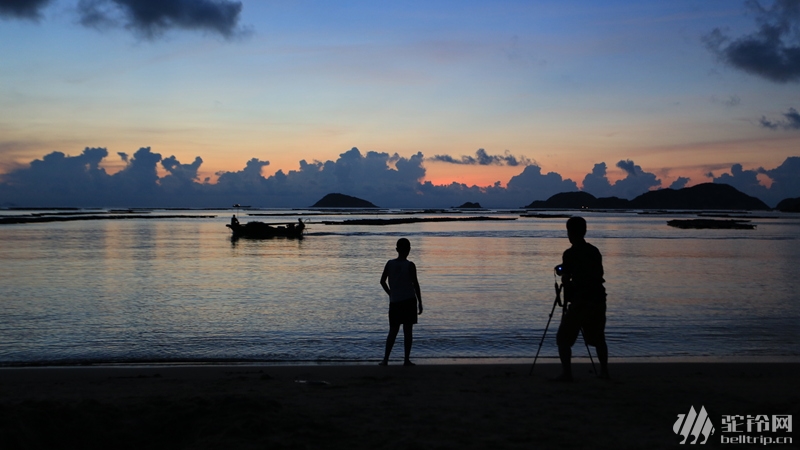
x=581, y=273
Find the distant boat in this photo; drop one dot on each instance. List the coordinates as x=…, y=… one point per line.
x=261, y=230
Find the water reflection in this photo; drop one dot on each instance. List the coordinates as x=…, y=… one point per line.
x=180, y=289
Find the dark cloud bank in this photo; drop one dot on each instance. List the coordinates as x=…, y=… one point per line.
x=59, y=180
x=22, y=9
x=146, y=18
x=772, y=52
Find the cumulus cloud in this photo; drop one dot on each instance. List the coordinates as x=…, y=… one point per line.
x=785, y=180
x=532, y=185
x=635, y=183
x=773, y=52
x=792, y=121
x=152, y=18
x=482, y=158
x=22, y=9
x=384, y=179
x=679, y=183
x=180, y=175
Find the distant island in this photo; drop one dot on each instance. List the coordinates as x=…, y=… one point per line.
x=789, y=205
x=342, y=201
x=706, y=196
x=470, y=205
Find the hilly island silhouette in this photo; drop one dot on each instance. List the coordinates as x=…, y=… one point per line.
x=701, y=196
x=706, y=196
x=337, y=200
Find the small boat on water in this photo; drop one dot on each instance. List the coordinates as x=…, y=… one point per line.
x=261, y=230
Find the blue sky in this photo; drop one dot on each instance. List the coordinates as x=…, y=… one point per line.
x=673, y=88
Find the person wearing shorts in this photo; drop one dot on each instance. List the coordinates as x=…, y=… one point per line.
x=399, y=280
x=585, y=297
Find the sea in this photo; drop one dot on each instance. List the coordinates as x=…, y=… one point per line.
x=173, y=287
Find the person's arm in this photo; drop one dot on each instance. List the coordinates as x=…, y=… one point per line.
x=384, y=276
x=417, y=290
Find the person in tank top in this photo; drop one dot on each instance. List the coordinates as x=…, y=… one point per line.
x=399, y=280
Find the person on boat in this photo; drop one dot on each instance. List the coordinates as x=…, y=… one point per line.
x=405, y=299
x=234, y=221
x=585, y=297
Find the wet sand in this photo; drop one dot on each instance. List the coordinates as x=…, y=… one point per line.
x=370, y=407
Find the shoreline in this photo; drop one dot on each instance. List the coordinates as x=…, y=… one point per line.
x=436, y=361
x=456, y=406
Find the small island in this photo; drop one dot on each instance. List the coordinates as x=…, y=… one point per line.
x=336, y=200
x=469, y=205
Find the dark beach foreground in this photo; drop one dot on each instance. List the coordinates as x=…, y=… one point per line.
x=371, y=407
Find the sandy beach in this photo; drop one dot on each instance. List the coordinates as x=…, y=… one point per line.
x=371, y=407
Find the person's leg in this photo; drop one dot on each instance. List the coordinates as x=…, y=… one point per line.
x=595, y=334
x=408, y=339
x=602, y=355
x=393, y=330
x=565, y=338
x=565, y=355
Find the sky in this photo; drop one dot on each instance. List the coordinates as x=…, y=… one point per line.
x=206, y=103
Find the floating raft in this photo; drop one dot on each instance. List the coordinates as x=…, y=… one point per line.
x=700, y=224
x=413, y=220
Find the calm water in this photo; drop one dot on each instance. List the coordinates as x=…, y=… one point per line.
x=180, y=290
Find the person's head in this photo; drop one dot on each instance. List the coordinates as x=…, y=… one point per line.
x=403, y=246
x=576, y=228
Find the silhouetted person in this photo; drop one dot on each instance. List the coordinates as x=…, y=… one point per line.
x=404, y=297
x=234, y=221
x=582, y=277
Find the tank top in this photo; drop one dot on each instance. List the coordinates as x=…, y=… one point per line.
x=400, y=280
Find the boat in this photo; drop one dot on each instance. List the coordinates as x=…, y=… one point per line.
x=261, y=230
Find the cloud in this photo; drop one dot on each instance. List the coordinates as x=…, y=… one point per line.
x=180, y=175
x=679, y=183
x=384, y=179
x=785, y=180
x=773, y=52
x=532, y=185
x=152, y=18
x=22, y=9
x=792, y=121
x=482, y=158
x=636, y=181
x=743, y=180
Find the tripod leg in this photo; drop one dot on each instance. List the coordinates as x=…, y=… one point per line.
x=594, y=369
x=544, y=334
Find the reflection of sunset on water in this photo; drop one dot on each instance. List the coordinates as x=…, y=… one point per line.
x=181, y=289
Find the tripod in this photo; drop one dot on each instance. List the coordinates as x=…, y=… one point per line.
x=563, y=306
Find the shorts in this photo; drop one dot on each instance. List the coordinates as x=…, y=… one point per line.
x=403, y=312
x=591, y=319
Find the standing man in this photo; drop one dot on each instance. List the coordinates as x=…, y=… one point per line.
x=585, y=297
x=404, y=297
